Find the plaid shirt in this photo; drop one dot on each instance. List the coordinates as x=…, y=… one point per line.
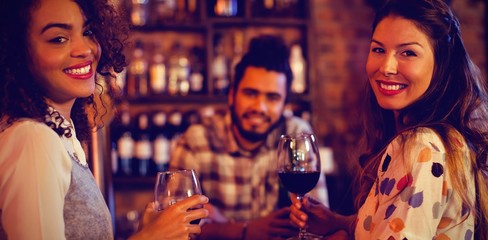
x=243, y=185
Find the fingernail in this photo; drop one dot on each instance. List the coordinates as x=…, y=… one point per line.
x=204, y=198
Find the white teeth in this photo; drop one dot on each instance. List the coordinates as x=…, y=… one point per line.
x=256, y=119
x=392, y=87
x=79, y=71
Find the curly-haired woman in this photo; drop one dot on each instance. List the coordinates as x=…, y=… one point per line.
x=51, y=52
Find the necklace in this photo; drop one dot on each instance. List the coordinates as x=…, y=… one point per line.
x=75, y=158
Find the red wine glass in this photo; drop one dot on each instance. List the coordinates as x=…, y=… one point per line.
x=299, y=168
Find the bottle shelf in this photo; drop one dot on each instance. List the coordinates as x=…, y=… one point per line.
x=257, y=21
x=196, y=99
x=217, y=22
x=176, y=27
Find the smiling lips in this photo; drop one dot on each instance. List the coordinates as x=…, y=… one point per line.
x=256, y=118
x=80, y=72
x=390, y=89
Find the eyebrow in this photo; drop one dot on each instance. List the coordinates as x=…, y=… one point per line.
x=56, y=25
x=250, y=89
x=400, y=45
x=61, y=25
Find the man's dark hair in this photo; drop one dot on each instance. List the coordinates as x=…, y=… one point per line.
x=269, y=52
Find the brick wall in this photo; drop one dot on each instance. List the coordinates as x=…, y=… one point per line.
x=339, y=46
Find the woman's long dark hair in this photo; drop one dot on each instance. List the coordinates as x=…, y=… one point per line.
x=21, y=96
x=456, y=98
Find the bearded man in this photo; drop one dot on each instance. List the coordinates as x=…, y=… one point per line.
x=234, y=154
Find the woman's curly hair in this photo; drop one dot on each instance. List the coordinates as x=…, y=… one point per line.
x=21, y=96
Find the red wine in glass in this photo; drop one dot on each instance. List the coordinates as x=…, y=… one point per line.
x=299, y=168
x=299, y=182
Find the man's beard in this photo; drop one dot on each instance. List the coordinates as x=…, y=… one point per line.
x=250, y=136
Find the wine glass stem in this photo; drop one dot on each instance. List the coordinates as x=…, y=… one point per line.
x=303, y=231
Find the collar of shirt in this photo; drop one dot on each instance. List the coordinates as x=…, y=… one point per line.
x=59, y=120
x=70, y=142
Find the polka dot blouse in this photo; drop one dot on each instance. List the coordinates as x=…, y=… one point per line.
x=413, y=196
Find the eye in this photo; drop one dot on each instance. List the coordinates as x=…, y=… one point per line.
x=377, y=50
x=249, y=92
x=409, y=53
x=274, y=97
x=88, y=33
x=58, y=40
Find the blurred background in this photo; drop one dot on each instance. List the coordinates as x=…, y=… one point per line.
x=182, y=54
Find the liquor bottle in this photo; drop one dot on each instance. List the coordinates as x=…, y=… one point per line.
x=139, y=12
x=163, y=11
x=220, y=68
x=175, y=128
x=238, y=50
x=225, y=8
x=173, y=70
x=269, y=5
x=137, y=72
x=196, y=80
x=183, y=74
x=289, y=8
x=143, y=145
x=192, y=10
x=157, y=71
x=262, y=8
x=179, y=71
x=298, y=68
x=192, y=6
x=161, y=142
x=125, y=143
x=180, y=10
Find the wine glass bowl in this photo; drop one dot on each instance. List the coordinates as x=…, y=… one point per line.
x=299, y=167
x=174, y=186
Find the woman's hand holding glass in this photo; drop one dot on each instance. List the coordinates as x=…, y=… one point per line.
x=178, y=206
x=174, y=221
x=312, y=214
x=318, y=218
